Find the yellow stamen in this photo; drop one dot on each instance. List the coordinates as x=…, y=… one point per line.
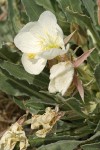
x=50, y=46
x=31, y=55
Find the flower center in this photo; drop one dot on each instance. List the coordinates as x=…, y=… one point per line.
x=49, y=42
x=50, y=46
x=31, y=55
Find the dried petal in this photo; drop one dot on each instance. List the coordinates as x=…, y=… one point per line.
x=47, y=121
x=13, y=135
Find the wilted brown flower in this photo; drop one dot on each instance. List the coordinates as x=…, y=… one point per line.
x=47, y=121
x=13, y=135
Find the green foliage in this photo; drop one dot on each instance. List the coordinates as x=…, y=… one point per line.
x=32, y=9
x=61, y=145
x=97, y=74
x=80, y=127
x=94, y=146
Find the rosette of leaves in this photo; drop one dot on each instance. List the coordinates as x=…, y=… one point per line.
x=79, y=129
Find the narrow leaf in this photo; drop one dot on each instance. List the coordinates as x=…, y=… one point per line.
x=72, y=103
x=36, y=141
x=8, y=88
x=18, y=72
x=19, y=102
x=97, y=127
x=90, y=7
x=97, y=74
x=46, y=4
x=92, y=146
x=61, y=145
x=32, y=9
x=9, y=53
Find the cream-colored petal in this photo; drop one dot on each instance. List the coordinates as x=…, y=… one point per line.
x=27, y=43
x=61, y=77
x=48, y=21
x=27, y=27
x=63, y=82
x=66, y=50
x=33, y=66
x=37, y=31
x=47, y=17
x=50, y=27
x=57, y=69
x=40, y=36
x=52, y=53
x=51, y=87
x=47, y=38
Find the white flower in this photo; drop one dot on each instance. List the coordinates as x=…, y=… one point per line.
x=61, y=76
x=47, y=121
x=40, y=41
x=13, y=135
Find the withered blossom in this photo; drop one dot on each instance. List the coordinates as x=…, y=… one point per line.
x=46, y=121
x=13, y=135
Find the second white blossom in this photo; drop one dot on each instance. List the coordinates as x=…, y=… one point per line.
x=61, y=76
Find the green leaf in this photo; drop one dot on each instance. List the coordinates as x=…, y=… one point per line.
x=21, y=87
x=8, y=88
x=34, y=105
x=9, y=53
x=97, y=74
x=13, y=17
x=82, y=19
x=46, y=101
x=19, y=102
x=72, y=15
x=5, y=33
x=18, y=72
x=46, y=4
x=95, y=136
x=36, y=141
x=62, y=22
x=74, y=104
x=98, y=127
x=93, y=146
x=61, y=145
x=73, y=5
x=90, y=7
x=32, y=9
